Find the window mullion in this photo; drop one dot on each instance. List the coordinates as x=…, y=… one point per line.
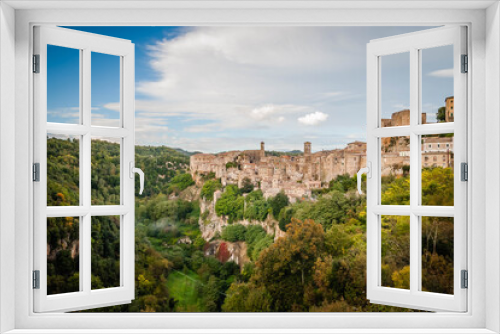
x=414, y=170
x=85, y=241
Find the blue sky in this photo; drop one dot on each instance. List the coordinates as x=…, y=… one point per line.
x=228, y=88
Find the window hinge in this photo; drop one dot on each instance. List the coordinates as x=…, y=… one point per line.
x=36, y=279
x=465, y=64
x=464, y=169
x=36, y=172
x=465, y=279
x=36, y=63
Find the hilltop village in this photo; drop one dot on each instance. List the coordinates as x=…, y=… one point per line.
x=298, y=175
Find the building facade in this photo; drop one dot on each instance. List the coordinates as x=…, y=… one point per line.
x=298, y=175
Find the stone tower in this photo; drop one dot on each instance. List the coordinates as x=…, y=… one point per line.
x=449, y=113
x=307, y=148
x=262, y=150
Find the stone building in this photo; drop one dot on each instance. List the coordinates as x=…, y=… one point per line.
x=437, y=152
x=298, y=175
x=448, y=115
x=400, y=118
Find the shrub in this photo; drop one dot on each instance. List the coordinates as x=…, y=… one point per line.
x=234, y=233
x=230, y=204
x=208, y=189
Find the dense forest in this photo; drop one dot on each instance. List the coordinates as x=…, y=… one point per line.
x=318, y=266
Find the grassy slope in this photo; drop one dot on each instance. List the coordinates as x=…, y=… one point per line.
x=184, y=288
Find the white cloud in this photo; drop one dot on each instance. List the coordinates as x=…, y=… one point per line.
x=63, y=114
x=254, y=83
x=315, y=118
x=245, y=77
x=446, y=73
x=268, y=113
x=263, y=112
x=115, y=106
x=102, y=120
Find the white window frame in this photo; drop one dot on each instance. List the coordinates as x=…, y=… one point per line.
x=484, y=50
x=85, y=44
x=413, y=44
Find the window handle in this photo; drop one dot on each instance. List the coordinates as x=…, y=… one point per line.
x=134, y=170
x=368, y=171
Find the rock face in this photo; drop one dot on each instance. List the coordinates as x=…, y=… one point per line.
x=213, y=225
x=191, y=194
x=72, y=247
x=228, y=251
x=185, y=240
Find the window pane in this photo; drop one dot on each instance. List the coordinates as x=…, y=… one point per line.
x=63, y=85
x=105, y=90
x=395, y=90
x=437, y=84
x=63, y=255
x=63, y=170
x=105, y=171
x=437, y=254
x=437, y=170
x=395, y=234
x=395, y=170
x=105, y=252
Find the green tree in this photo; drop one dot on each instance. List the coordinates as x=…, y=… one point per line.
x=441, y=114
x=231, y=164
x=247, y=186
x=212, y=293
x=285, y=268
x=285, y=217
x=230, y=204
x=209, y=187
x=245, y=297
x=180, y=182
x=396, y=192
x=234, y=233
x=437, y=186
x=278, y=202
x=330, y=209
x=257, y=207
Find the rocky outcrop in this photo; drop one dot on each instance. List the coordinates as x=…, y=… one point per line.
x=211, y=225
x=228, y=251
x=185, y=240
x=190, y=194
x=73, y=247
